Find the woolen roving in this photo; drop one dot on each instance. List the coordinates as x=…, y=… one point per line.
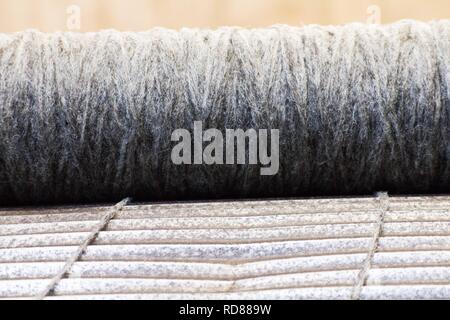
x=88, y=117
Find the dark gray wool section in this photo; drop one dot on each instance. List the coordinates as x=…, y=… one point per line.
x=89, y=117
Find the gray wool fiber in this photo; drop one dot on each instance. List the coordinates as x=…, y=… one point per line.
x=89, y=117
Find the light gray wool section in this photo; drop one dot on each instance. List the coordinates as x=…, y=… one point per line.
x=89, y=117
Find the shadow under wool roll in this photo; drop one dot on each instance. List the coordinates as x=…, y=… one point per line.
x=359, y=108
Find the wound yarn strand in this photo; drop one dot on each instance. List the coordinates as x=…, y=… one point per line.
x=88, y=117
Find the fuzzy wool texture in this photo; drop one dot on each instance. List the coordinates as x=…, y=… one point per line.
x=89, y=117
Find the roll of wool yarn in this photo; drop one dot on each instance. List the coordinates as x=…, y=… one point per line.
x=89, y=117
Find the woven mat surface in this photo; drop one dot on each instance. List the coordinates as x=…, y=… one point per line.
x=288, y=249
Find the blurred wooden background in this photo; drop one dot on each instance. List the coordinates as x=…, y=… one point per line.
x=52, y=15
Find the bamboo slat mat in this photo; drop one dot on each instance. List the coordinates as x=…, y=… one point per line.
x=288, y=249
